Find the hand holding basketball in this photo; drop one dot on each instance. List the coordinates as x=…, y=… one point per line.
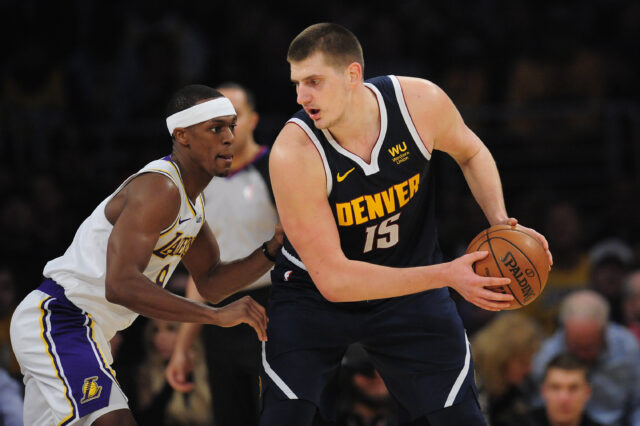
x=516, y=253
x=473, y=287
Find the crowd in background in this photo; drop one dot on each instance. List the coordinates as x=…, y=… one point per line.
x=552, y=90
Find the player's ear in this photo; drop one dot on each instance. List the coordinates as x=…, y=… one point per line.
x=255, y=117
x=354, y=73
x=180, y=136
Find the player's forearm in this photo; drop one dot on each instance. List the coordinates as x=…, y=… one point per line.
x=140, y=295
x=481, y=174
x=351, y=281
x=230, y=277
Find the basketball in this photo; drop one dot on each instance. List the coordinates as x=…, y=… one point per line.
x=515, y=254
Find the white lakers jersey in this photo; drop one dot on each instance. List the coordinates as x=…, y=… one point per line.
x=82, y=268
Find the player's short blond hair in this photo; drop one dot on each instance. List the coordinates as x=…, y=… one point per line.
x=339, y=45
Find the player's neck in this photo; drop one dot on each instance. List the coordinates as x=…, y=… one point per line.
x=193, y=181
x=359, y=127
x=246, y=155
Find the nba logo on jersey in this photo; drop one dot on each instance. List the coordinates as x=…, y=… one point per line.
x=90, y=389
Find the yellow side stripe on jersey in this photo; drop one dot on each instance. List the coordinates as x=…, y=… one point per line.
x=202, y=205
x=48, y=345
x=169, y=229
x=92, y=338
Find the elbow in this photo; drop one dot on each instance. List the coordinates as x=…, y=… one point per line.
x=332, y=290
x=331, y=283
x=113, y=293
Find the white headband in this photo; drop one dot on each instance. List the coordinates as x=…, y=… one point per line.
x=218, y=107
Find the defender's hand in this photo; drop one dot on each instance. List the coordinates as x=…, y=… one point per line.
x=245, y=310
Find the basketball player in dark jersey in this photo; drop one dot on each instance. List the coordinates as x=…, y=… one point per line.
x=351, y=175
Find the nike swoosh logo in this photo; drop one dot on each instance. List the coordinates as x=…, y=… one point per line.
x=181, y=221
x=344, y=176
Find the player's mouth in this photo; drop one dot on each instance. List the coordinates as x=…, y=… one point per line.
x=227, y=158
x=314, y=113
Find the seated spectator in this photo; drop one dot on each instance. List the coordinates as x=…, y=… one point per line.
x=11, y=401
x=502, y=353
x=565, y=390
x=154, y=402
x=8, y=304
x=610, y=262
x=365, y=399
x=631, y=302
x=609, y=350
x=563, y=226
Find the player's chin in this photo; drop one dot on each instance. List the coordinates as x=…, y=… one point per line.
x=321, y=124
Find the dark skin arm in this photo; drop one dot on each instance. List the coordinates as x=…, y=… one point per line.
x=216, y=281
x=139, y=213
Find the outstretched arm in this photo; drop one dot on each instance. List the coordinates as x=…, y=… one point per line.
x=309, y=223
x=217, y=280
x=139, y=213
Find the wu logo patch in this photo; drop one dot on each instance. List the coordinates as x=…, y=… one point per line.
x=399, y=153
x=90, y=389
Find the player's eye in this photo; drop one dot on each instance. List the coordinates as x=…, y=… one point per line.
x=216, y=129
x=233, y=128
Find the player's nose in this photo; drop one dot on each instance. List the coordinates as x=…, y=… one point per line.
x=303, y=97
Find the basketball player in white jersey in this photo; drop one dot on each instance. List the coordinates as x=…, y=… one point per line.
x=241, y=213
x=118, y=263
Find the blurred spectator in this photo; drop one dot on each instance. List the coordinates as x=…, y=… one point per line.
x=154, y=402
x=8, y=303
x=11, y=400
x=631, y=302
x=565, y=390
x=610, y=261
x=502, y=353
x=364, y=399
x=610, y=351
x=571, y=263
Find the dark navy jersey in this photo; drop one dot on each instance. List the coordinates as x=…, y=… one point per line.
x=384, y=210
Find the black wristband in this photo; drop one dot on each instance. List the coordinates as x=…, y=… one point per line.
x=266, y=252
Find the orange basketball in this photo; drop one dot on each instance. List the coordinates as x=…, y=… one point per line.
x=515, y=254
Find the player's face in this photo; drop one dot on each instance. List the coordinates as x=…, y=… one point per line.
x=247, y=118
x=322, y=89
x=210, y=144
x=566, y=393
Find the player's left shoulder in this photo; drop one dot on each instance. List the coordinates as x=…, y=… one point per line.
x=423, y=96
x=419, y=87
